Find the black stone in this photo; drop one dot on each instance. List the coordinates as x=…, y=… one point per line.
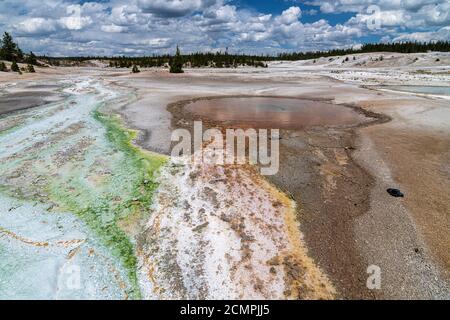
x=395, y=193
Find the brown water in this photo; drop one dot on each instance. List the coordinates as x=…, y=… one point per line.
x=282, y=113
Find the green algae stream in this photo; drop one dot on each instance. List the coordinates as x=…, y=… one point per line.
x=73, y=161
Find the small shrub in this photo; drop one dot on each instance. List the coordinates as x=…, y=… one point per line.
x=260, y=64
x=3, y=67
x=30, y=68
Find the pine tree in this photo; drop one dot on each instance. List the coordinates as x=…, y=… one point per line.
x=3, y=67
x=135, y=69
x=30, y=68
x=19, y=53
x=15, y=67
x=9, y=50
x=176, y=65
x=31, y=59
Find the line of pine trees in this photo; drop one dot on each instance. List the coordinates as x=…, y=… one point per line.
x=227, y=60
x=195, y=60
x=400, y=47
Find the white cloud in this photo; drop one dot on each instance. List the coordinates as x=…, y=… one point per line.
x=441, y=34
x=156, y=42
x=327, y=7
x=226, y=13
x=35, y=26
x=170, y=8
x=74, y=22
x=290, y=15
x=384, y=18
x=112, y=28
x=124, y=15
x=437, y=14
x=264, y=18
x=414, y=5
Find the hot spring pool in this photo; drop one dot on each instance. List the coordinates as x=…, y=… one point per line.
x=272, y=112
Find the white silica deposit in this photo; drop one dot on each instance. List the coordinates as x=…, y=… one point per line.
x=223, y=232
x=48, y=255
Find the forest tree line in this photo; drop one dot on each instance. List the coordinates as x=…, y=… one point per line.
x=194, y=60
x=399, y=47
x=228, y=60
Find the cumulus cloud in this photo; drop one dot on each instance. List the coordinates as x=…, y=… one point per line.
x=173, y=8
x=222, y=14
x=388, y=18
x=290, y=15
x=74, y=18
x=441, y=34
x=124, y=15
x=327, y=7
x=35, y=26
x=115, y=27
x=112, y=28
x=414, y=5
x=436, y=14
x=156, y=43
x=74, y=22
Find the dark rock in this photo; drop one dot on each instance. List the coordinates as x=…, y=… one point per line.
x=395, y=193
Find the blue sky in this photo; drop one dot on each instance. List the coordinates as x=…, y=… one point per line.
x=144, y=27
